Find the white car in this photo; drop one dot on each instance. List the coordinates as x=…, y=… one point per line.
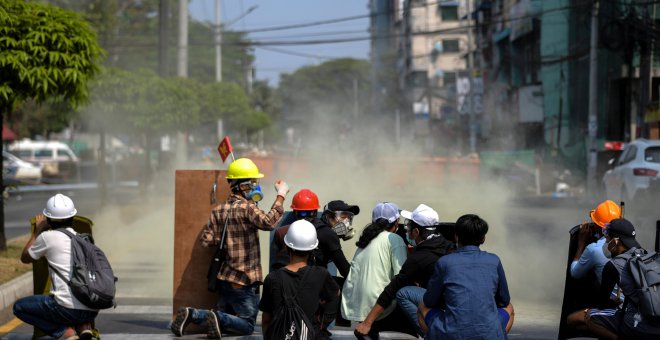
x=635, y=174
x=15, y=169
x=56, y=158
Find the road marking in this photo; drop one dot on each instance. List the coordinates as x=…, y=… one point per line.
x=9, y=326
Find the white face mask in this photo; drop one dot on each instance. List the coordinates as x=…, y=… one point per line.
x=606, y=248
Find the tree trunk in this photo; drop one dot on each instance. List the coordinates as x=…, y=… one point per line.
x=3, y=239
x=102, y=177
x=146, y=174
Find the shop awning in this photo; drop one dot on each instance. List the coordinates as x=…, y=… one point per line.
x=7, y=134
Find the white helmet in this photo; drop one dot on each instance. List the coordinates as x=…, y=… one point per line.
x=301, y=236
x=60, y=207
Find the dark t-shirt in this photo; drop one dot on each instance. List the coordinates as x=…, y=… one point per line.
x=318, y=285
x=328, y=250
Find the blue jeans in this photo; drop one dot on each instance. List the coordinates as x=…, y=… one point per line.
x=237, y=309
x=45, y=313
x=408, y=299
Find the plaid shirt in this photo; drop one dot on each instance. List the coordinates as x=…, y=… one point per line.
x=243, y=264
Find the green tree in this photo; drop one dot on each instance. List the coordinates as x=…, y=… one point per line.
x=141, y=103
x=45, y=53
x=31, y=118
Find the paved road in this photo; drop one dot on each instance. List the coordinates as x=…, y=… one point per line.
x=138, y=238
x=150, y=321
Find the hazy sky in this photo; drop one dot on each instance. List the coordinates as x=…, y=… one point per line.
x=277, y=13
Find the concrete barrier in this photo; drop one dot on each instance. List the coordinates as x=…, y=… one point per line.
x=11, y=291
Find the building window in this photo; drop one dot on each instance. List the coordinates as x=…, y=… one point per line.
x=449, y=78
x=450, y=45
x=449, y=13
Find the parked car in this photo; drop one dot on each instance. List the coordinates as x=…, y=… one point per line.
x=56, y=158
x=15, y=170
x=635, y=174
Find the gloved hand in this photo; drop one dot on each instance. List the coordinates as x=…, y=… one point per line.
x=282, y=188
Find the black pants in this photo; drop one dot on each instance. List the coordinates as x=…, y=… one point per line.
x=395, y=322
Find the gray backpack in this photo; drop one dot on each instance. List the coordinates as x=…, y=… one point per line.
x=92, y=280
x=645, y=270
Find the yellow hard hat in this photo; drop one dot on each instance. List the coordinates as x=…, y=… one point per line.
x=243, y=168
x=605, y=212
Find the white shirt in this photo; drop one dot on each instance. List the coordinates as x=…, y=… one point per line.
x=55, y=246
x=372, y=269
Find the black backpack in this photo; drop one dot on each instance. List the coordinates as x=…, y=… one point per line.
x=290, y=322
x=92, y=280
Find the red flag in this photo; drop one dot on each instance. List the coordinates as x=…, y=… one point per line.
x=224, y=148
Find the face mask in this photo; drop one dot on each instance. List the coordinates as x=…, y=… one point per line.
x=606, y=249
x=255, y=194
x=412, y=242
x=344, y=229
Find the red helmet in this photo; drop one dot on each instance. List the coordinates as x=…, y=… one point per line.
x=305, y=199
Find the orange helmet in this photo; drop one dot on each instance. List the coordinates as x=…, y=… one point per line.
x=305, y=199
x=605, y=212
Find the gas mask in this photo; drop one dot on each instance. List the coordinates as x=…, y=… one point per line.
x=254, y=193
x=344, y=226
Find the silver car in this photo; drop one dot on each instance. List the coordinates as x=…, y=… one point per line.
x=635, y=173
x=16, y=170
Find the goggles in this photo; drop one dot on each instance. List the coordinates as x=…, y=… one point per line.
x=344, y=215
x=253, y=183
x=306, y=213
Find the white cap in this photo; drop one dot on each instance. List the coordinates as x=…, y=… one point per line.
x=386, y=210
x=423, y=215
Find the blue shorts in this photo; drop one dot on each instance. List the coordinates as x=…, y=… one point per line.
x=435, y=312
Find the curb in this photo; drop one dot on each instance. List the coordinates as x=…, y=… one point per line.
x=11, y=291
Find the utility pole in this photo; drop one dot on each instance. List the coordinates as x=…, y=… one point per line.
x=182, y=53
x=356, y=112
x=163, y=34
x=644, y=72
x=182, y=71
x=218, y=41
x=593, y=103
x=469, y=97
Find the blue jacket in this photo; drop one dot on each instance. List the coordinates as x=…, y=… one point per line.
x=469, y=285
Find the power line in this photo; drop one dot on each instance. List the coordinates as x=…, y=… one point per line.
x=313, y=23
x=460, y=28
x=297, y=54
x=315, y=34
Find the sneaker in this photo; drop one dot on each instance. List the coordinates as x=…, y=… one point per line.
x=85, y=331
x=183, y=318
x=214, y=326
x=87, y=334
x=69, y=334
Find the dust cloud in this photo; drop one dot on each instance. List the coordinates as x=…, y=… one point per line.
x=530, y=238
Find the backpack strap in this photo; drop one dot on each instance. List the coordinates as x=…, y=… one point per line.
x=71, y=235
x=224, y=230
x=66, y=232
